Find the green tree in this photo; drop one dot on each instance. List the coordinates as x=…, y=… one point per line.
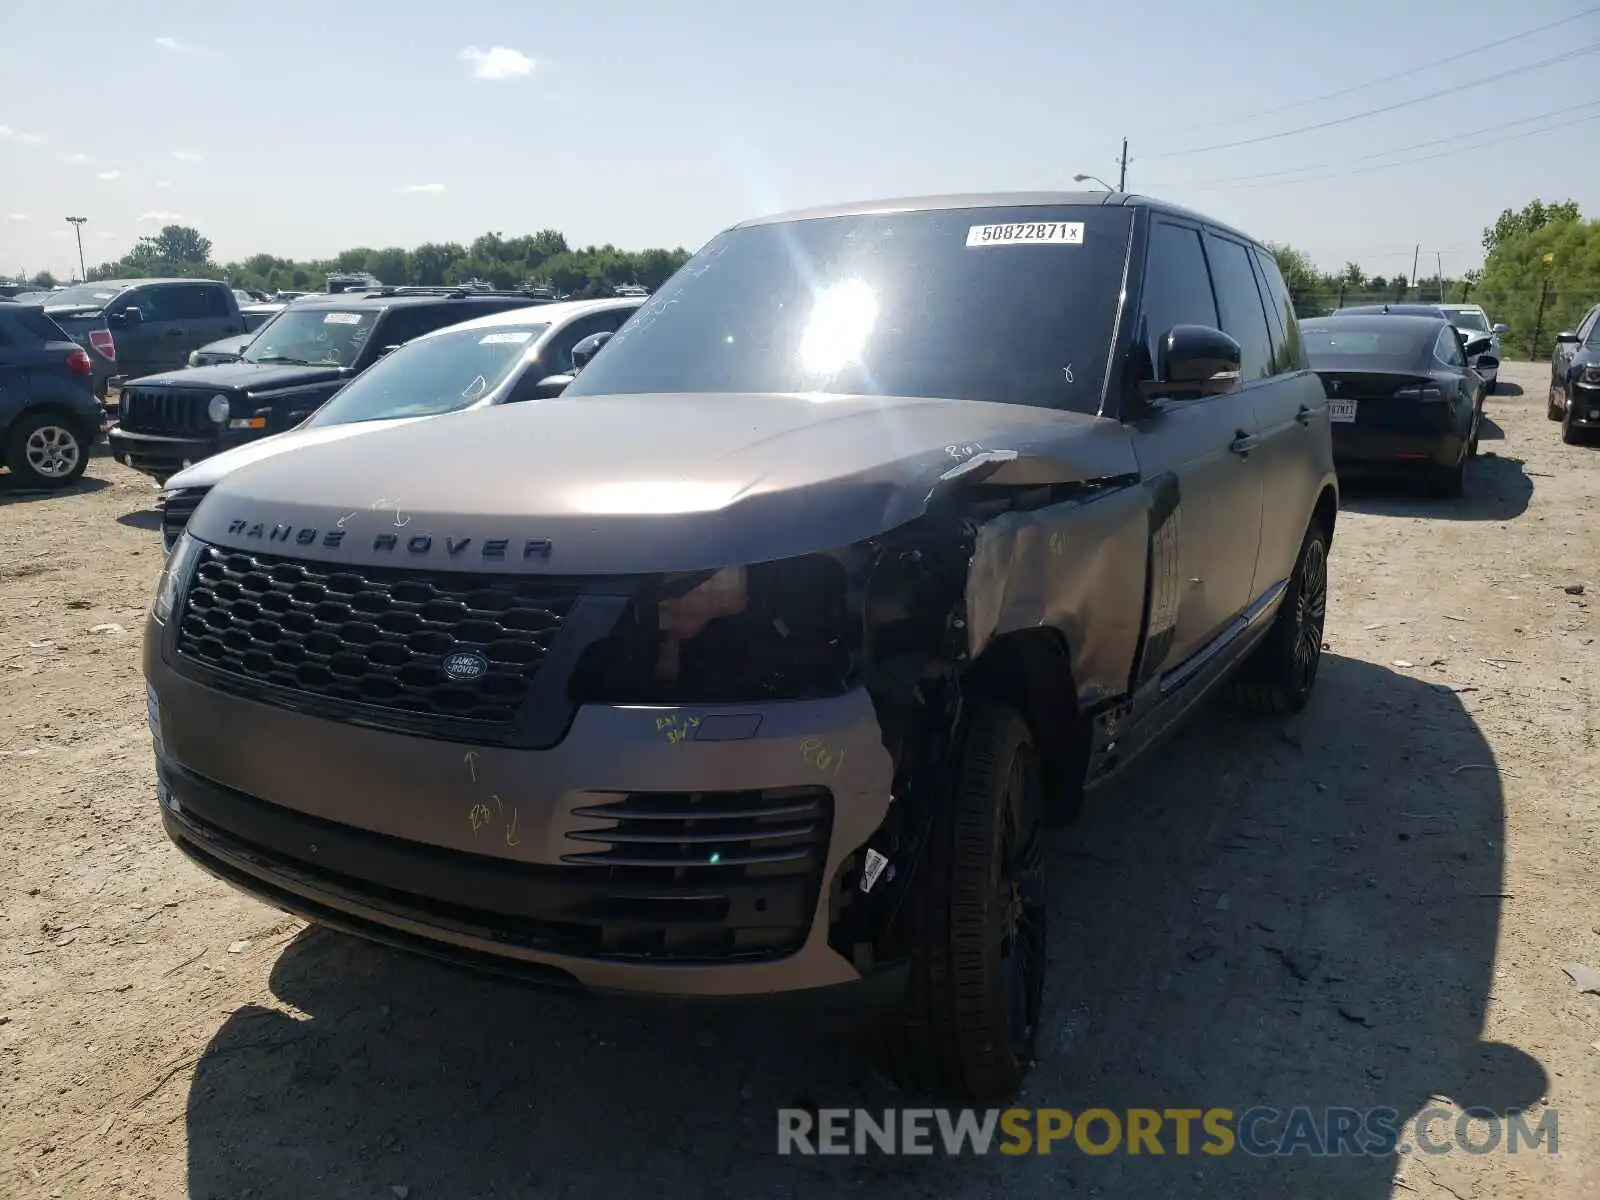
x=1556, y=262
x=43, y=280
x=1534, y=215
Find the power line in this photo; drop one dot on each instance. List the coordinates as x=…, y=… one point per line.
x=1373, y=112
x=1406, y=74
x=1422, y=158
x=1559, y=112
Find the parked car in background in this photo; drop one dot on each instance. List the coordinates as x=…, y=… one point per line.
x=1575, y=379
x=133, y=327
x=312, y=349
x=1401, y=397
x=1470, y=319
x=49, y=416
x=867, y=545
x=507, y=357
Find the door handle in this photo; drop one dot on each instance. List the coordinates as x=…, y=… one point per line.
x=1243, y=443
x=1304, y=415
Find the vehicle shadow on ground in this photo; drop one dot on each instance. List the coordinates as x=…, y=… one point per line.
x=1505, y=389
x=1498, y=489
x=144, y=518
x=14, y=490
x=1294, y=913
x=1490, y=431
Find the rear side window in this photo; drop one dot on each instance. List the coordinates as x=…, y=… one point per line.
x=1591, y=324
x=36, y=323
x=1447, y=349
x=189, y=301
x=1291, y=355
x=1243, y=317
x=1177, y=287
x=400, y=325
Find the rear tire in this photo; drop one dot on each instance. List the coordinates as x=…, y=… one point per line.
x=1280, y=674
x=969, y=1021
x=1552, y=406
x=1569, y=435
x=1451, y=482
x=47, y=450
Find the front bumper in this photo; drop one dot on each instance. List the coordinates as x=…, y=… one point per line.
x=1584, y=406
x=468, y=853
x=161, y=456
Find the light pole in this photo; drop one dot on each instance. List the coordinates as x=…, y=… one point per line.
x=77, y=228
x=1093, y=179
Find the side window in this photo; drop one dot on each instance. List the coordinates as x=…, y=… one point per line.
x=556, y=357
x=1177, y=286
x=188, y=301
x=399, y=325
x=1448, y=348
x=152, y=302
x=1243, y=317
x=1590, y=324
x=1278, y=298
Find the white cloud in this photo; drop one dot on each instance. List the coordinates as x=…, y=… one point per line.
x=110, y=175
x=177, y=47
x=497, y=62
x=33, y=139
x=6, y=131
x=186, y=156
x=160, y=216
x=163, y=183
x=108, y=237
x=76, y=160
x=423, y=187
x=17, y=216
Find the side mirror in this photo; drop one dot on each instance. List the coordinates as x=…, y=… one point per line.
x=1477, y=344
x=1487, y=362
x=1194, y=361
x=587, y=349
x=1567, y=337
x=1502, y=327
x=127, y=318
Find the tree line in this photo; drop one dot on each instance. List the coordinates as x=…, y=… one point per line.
x=539, y=259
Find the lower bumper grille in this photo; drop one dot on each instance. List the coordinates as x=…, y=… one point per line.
x=747, y=912
x=165, y=411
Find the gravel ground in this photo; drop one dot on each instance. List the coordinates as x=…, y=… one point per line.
x=1368, y=905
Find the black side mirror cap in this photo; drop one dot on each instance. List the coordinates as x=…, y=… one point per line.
x=130, y=316
x=1193, y=361
x=586, y=349
x=1487, y=362
x=547, y=388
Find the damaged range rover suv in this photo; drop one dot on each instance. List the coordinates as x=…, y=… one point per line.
x=758, y=660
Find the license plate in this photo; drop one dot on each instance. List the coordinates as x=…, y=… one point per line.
x=1342, y=410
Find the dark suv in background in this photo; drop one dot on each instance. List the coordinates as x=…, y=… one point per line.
x=141, y=326
x=294, y=363
x=1575, y=378
x=49, y=416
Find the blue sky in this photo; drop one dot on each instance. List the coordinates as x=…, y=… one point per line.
x=301, y=127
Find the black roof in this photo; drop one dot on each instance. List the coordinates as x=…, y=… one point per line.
x=1397, y=309
x=1377, y=320
x=999, y=200
x=410, y=298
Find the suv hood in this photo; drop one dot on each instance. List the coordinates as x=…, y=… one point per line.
x=243, y=377
x=206, y=472
x=632, y=484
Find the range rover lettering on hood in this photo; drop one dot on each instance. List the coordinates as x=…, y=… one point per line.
x=448, y=546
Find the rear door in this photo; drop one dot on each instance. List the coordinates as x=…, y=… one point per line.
x=1205, y=446
x=15, y=347
x=199, y=313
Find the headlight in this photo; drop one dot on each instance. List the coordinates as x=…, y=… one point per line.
x=169, y=588
x=217, y=410
x=1591, y=374
x=681, y=618
x=194, y=358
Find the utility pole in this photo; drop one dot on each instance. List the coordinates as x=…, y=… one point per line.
x=1438, y=258
x=1122, y=177
x=77, y=228
x=1538, y=321
x=1414, y=257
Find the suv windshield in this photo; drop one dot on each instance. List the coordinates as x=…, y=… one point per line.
x=1467, y=318
x=83, y=295
x=313, y=337
x=1007, y=304
x=433, y=375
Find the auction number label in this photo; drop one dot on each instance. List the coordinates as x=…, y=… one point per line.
x=1027, y=233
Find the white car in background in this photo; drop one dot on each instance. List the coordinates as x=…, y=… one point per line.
x=503, y=358
x=1471, y=319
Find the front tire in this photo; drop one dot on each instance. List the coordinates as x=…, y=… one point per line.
x=969, y=1021
x=1569, y=435
x=1553, y=407
x=46, y=450
x=1282, y=671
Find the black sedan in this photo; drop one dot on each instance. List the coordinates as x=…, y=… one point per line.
x=1575, y=378
x=1401, y=397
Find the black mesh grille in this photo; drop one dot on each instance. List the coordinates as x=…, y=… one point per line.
x=372, y=636
x=176, y=509
x=166, y=411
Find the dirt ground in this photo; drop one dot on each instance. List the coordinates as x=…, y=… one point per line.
x=1368, y=905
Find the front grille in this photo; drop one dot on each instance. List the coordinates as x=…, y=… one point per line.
x=169, y=412
x=708, y=873
x=370, y=636
x=176, y=509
